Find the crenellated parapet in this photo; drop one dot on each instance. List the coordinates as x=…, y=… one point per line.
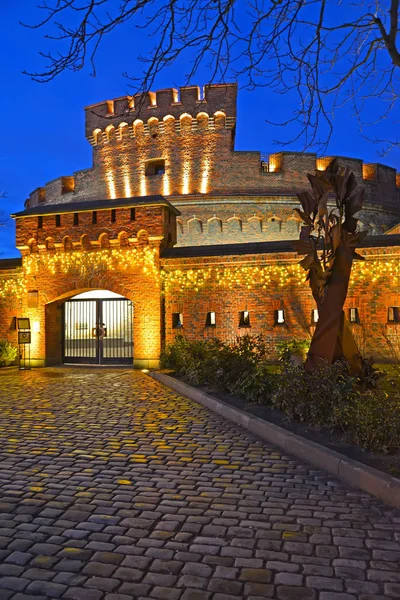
x=212, y=101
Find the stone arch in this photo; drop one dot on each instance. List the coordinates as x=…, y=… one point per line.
x=138, y=127
x=153, y=124
x=255, y=224
x=169, y=123
x=67, y=243
x=219, y=119
x=234, y=225
x=293, y=226
x=202, y=120
x=143, y=236
x=186, y=122
x=123, y=239
x=49, y=242
x=214, y=227
x=195, y=226
x=97, y=136
x=123, y=130
x=274, y=225
x=104, y=241
x=110, y=133
x=85, y=242
x=33, y=246
x=179, y=226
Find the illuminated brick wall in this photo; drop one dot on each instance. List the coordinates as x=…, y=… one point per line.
x=223, y=194
x=193, y=288
x=261, y=284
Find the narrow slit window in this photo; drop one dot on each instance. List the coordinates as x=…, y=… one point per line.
x=244, y=318
x=76, y=219
x=177, y=320
x=353, y=315
x=394, y=314
x=58, y=220
x=279, y=317
x=113, y=215
x=211, y=319
x=40, y=222
x=94, y=217
x=133, y=214
x=314, y=316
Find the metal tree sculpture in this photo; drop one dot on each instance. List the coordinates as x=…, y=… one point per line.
x=328, y=238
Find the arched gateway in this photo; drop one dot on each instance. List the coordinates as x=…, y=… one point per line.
x=98, y=329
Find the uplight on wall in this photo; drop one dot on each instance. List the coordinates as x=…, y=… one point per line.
x=280, y=316
x=314, y=315
x=36, y=326
x=211, y=319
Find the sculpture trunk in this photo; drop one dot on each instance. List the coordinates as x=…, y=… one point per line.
x=333, y=338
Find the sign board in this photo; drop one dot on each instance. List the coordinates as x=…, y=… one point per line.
x=23, y=323
x=24, y=337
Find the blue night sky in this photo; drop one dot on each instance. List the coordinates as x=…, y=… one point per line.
x=42, y=132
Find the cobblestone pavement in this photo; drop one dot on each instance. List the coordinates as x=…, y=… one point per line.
x=114, y=487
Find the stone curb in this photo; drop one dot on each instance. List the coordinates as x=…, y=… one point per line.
x=354, y=473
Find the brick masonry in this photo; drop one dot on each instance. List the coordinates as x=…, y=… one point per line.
x=224, y=196
x=221, y=193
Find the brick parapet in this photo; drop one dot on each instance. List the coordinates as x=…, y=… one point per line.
x=42, y=231
x=187, y=100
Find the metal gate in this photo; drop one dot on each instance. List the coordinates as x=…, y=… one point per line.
x=98, y=331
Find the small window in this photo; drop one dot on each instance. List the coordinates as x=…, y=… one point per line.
x=155, y=167
x=314, y=316
x=353, y=315
x=394, y=314
x=94, y=217
x=113, y=215
x=58, y=220
x=133, y=214
x=177, y=320
x=244, y=318
x=76, y=219
x=40, y=222
x=279, y=317
x=211, y=319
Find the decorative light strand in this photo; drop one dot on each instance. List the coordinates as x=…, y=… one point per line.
x=12, y=287
x=85, y=262
x=248, y=277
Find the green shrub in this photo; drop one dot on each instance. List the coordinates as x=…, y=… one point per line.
x=311, y=397
x=257, y=385
x=328, y=398
x=288, y=348
x=371, y=419
x=8, y=353
x=238, y=368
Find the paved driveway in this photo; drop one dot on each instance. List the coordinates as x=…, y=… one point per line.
x=114, y=487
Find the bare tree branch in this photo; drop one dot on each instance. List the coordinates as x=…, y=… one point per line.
x=327, y=53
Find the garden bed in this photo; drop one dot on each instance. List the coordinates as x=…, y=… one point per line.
x=388, y=463
x=359, y=417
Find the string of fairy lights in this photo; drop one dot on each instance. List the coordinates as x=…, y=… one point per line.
x=80, y=264
x=113, y=259
x=267, y=276
x=174, y=279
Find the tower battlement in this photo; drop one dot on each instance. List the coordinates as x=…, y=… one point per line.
x=191, y=100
